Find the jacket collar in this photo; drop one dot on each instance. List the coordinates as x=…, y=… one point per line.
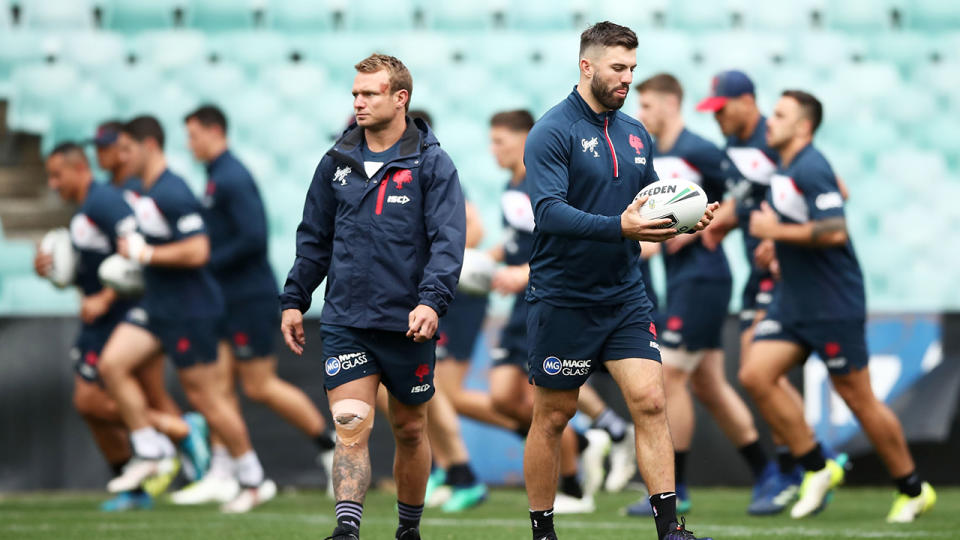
x=416, y=138
x=578, y=103
x=218, y=161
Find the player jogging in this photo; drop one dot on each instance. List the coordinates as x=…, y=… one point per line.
x=820, y=307
x=586, y=161
x=384, y=223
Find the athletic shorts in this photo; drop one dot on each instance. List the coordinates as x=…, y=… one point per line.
x=251, y=327
x=460, y=327
x=757, y=296
x=188, y=342
x=512, y=349
x=696, y=310
x=841, y=344
x=567, y=344
x=86, y=352
x=405, y=366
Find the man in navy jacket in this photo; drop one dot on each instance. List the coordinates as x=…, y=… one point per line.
x=384, y=222
x=585, y=162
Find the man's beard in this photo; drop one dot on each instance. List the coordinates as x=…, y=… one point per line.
x=606, y=96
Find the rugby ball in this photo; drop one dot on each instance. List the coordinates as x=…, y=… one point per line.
x=681, y=201
x=477, y=272
x=122, y=275
x=63, y=269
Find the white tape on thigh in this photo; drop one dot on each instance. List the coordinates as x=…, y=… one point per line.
x=353, y=420
x=681, y=358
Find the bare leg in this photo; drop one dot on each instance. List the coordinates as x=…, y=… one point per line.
x=94, y=405
x=411, y=464
x=710, y=386
x=203, y=385
x=552, y=410
x=589, y=402
x=470, y=403
x=511, y=394
x=444, y=429
x=151, y=376
x=679, y=404
x=351, y=460
x=261, y=384
x=128, y=348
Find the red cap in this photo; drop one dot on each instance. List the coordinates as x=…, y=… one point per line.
x=712, y=103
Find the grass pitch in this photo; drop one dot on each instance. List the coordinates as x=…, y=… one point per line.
x=854, y=513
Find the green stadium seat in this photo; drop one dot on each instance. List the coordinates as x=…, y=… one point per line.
x=912, y=166
x=423, y=51
x=750, y=51
x=171, y=49
x=338, y=52
x=250, y=111
x=860, y=15
x=459, y=16
x=827, y=49
x=942, y=78
x=665, y=50
x=36, y=90
x=933, y=15
x=794, y=16
x=300, y=15
x=79, y=113
x=941, y=134
x=909, y=104
x=56, y=15
x=27, y=294
x=212, y=81
x=294, y=82
x=379, y=15
x=632, y=14
x=170, y=103
x=16, y=257
x=289, y=136
x=253, y=49
x=128, y=81
x=906, y=49
x=220, y=15
x=540, y=15
x=94, y=50
x=698, y=15
x=19, y=47
x=138, y=15
x=260, y=163
x=867, y=79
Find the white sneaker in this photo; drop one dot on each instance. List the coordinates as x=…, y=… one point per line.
x=592, y=459
x=439, y=497
x=139, y=470
x=210, y=489
x=248, y=498
x=325, y=461
x=815, y=488
x=906, y=509
x=565, y=504
x=623, y=462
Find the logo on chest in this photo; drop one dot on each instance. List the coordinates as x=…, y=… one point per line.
x=340, y=176
x=402, y=178
x=590, y=146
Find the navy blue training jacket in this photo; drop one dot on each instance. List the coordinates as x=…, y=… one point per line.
x=385, y=244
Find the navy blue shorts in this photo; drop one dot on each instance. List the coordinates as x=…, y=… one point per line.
x=512, y=349
x=405, y=366
x=189, y=341
x=841, y=344
x=86, y=351
x=251, y=327
x=757, y=296
x=568, y=344
x=696, y=310
x=460, y=327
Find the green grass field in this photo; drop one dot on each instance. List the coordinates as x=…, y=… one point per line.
x=854, y=513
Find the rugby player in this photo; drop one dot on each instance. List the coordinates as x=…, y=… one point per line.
x=178, y=315
x=586, y=161
x=384, y=222
x=820, y=308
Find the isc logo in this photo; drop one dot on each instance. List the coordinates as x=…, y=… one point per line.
x=551, y=365
x=658, y=190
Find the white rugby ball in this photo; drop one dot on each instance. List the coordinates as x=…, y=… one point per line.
x=63, y=269
x=477, y=272
x=681, y=201
x=122, y=275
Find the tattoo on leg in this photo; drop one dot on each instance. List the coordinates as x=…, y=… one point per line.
x=351, y=472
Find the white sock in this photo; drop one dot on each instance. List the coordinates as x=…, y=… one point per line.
x=248, y=469
x=147, y=443
x=169, y=450
x=221, y=464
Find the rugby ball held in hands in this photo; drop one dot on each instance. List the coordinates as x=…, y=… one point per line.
x=680, y=201
x=63, y=268
x=477, y=272
x=122, y=275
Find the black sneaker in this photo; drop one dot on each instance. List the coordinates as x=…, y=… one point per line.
x=408, y=533
x=678, y=531
x=548, y=536
x=344, y=533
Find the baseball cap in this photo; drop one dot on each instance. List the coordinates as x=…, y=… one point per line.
x=107, y=134
x=726, y=85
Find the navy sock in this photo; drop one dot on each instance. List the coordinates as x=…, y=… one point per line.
x=785, y=460
x=910, y=485
x=582, y=442
x=664, y=511
x=612, y=423
x=813, y=460
x=460, y=475
x=542, y=522
x=755, y=457
x=409, y=515
x=349, y=514
x=680, y=466
x=325, y=440
x=569, y=485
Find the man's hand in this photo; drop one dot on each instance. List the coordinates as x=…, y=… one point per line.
x=511, y=279
x=634, y=227
x=763, y=222
x=291, y=326
x=42, y=263
x=764, y=255
x=134, y=247
x=94, y=306
x=423, y=323
x=707, y=217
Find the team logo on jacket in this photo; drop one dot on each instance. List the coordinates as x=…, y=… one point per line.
x=402, y=177
x=341, y=175
x=590, y=146
x=636, y=143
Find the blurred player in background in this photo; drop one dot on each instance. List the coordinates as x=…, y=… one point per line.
x=586, y=300
x=820, y=308
x=237, y=226
x=179, y=315
x=699, y=284
x=109, y=159
x=103, y=216
x=384, y=222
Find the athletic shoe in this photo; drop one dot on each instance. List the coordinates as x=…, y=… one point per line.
x=906, y=508
x=464, y=498
x=550, y=536
x=212, y=489
x=815, y=488
x=195, y=450
x=772, y=495
x=437, y=493
x=684, y=504
x=642, y=507
x=598, y=446
x=408, y=534
x=158, y=473
x=251, y=497
x=344, y=533
x=678, y=531
x=128, y=500
x=565, y=504
x=623, y=462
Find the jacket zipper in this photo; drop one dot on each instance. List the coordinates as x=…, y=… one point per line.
x=616, y=168
x=380, y=193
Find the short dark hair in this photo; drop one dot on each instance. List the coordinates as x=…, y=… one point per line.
x=110, y=125
x=144, y=127
x=608, y=34
x=208, y=116
x=664, y=83
x=516, y=120
x=421, y=114
x=71, y=150
x=809, y=105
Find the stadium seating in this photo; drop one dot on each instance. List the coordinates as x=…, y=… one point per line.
x=136, y=15
x=57, y=14
x=217, y=15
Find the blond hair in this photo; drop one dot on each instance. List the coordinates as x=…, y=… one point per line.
x=399, y=75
